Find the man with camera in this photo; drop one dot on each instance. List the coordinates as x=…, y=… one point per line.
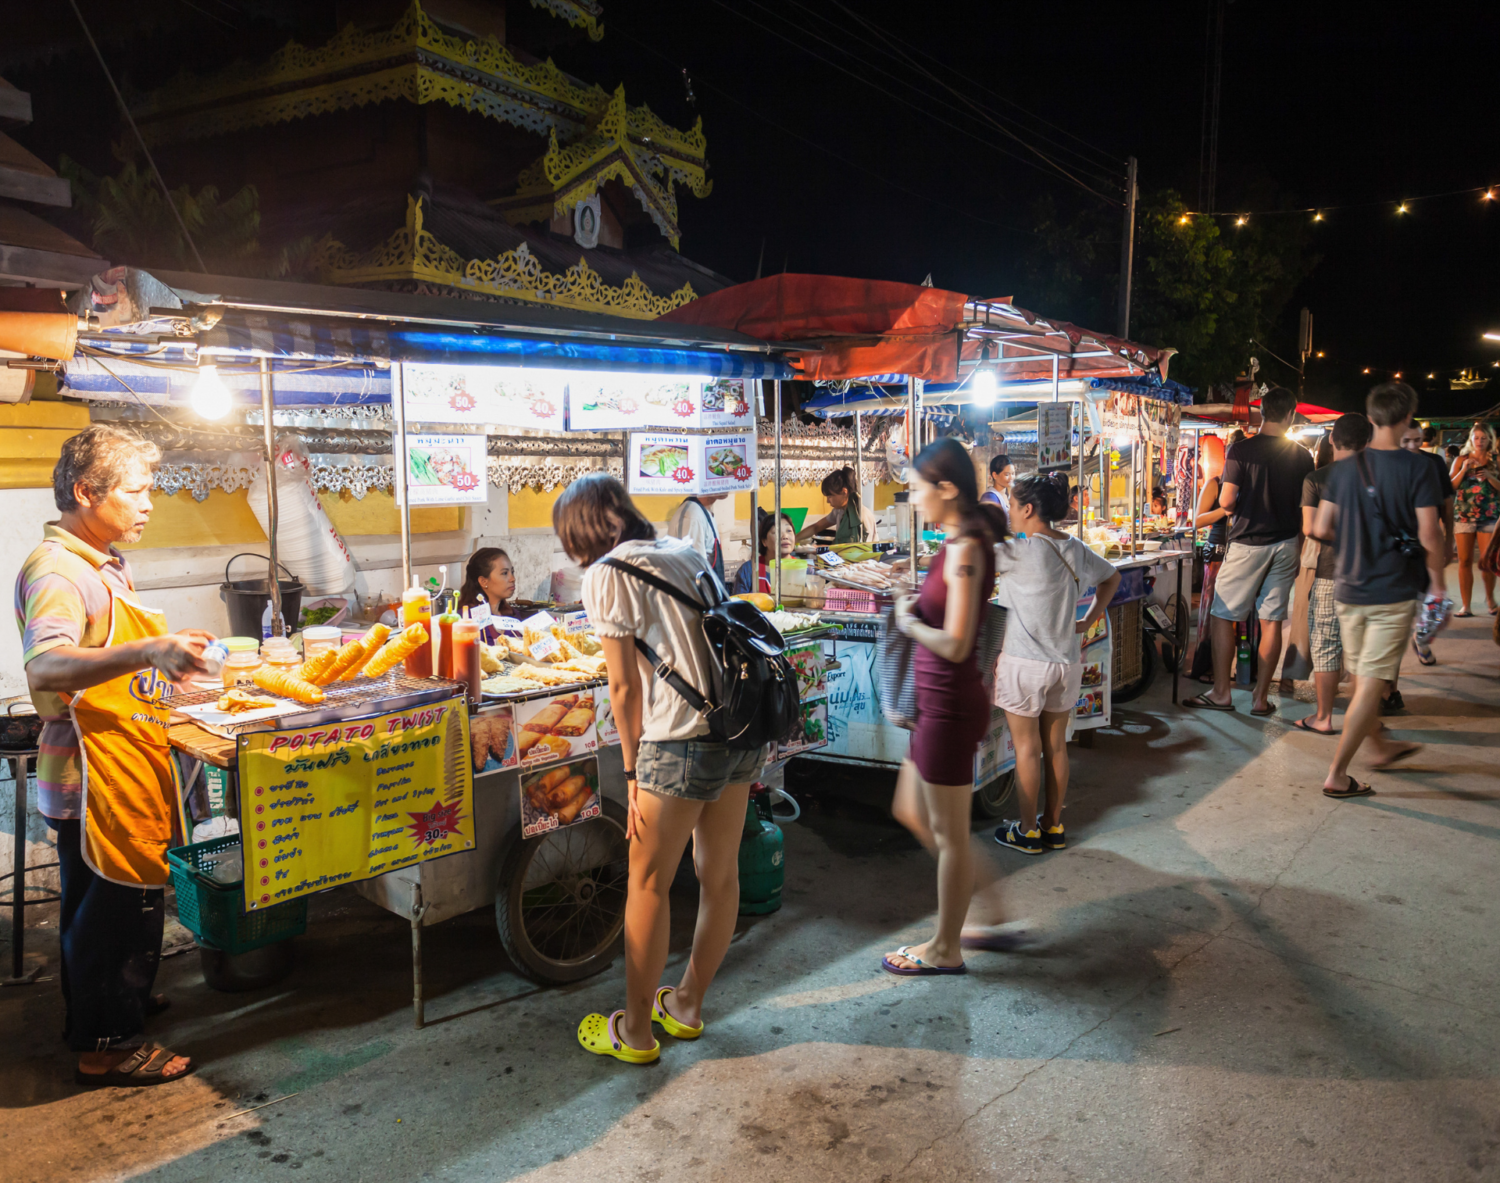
x=1381, y=510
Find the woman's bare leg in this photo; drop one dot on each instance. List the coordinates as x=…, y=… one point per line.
x=1054, y=732
x=909, y=807
x=655, y=852
x=716, y=858
x=1482, y=544
x=1465, y=570
x=1026, y=735
x=948, y=811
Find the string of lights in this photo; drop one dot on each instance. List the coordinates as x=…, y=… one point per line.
x=1487, y=193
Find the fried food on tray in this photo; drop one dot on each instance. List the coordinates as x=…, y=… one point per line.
x=586, y=644
x=398, y=648
x=287, y=685
x=369, y=645
x=545, y=676
x=589, y=667
x=492, y=657
x=237, y=701
x=506, y=684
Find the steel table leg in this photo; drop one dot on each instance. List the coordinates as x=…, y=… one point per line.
x=418, y=1004
x=20, y=769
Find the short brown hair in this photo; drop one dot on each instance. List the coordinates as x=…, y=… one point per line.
x=97, y=458
x=1277, y=404
x=1351, y=432
x=1390, y=404
x=594, y=515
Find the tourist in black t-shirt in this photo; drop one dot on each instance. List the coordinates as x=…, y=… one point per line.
x=1380, y=509
x=1263, y=491
x=1413, y=440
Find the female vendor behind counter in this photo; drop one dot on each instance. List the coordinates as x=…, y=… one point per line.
x=788, y=540
x=850, y=520
x=490, y=579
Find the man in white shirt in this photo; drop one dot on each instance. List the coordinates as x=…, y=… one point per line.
x=693, y=520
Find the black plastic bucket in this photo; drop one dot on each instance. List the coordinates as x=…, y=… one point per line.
x=246, y=600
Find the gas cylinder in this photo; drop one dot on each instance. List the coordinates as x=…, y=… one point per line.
x=762, y=864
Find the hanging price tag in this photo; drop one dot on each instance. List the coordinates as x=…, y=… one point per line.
x=576, y=622
x=508, y=625
x=544, y=647
x=480, y=614
x=833, y=559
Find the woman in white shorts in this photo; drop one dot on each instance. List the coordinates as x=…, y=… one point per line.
x=1042, y=573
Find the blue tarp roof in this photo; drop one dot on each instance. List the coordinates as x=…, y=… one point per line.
x=1148, y=386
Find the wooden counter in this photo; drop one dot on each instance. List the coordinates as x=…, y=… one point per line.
x=202, y=745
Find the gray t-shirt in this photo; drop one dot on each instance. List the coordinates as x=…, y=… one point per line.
x=1042, y=597
x=1370, y=569
x=619, y=605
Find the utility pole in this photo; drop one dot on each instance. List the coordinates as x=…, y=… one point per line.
x=1304, y=347
x=1208, y=136
x=1127, y=248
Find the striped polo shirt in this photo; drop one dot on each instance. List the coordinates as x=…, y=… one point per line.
x=62, y=598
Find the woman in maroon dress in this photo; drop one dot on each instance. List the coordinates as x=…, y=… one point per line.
x=936, y=781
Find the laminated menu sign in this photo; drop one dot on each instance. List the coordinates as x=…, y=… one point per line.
x=728, y=462
x=344, y=801
x=725, y=402
x=1054, y=434
x=446, y=469
x=559, y=796
x=614, y=402
x=559, y=728
x=479, y=395
x=671, y=462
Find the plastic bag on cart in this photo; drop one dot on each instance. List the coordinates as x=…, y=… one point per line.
x=306, y=540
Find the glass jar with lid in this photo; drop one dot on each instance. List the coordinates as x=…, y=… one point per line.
x=319, y=637
x=247, y=651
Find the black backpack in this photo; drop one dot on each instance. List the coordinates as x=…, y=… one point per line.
x=752, y=698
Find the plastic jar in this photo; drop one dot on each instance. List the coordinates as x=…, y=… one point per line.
x=320, y=637
x=240, y=667
x=280, y=652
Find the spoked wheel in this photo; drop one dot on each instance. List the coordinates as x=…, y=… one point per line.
x=1139, y=687
x=560, y=903
x=990, y=799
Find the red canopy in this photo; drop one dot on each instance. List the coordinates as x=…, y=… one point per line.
x=859, y=327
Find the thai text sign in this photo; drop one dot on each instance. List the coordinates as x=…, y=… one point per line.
x=344, y=801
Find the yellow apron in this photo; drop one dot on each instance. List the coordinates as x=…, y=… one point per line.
x=129, y=779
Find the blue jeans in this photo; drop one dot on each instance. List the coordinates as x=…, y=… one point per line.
x=695, y=769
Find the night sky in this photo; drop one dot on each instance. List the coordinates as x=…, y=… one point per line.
x=828, y=157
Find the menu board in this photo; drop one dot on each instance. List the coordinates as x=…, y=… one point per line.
x=629, y=402
x=339, y=802
x=676, y=462
x=446, y=469
x=477, y=395
x=560, y=796
x=1094, y=697
x=557, y=728
x=1054, y=434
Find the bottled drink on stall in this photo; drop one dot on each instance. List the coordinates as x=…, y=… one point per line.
x=416, y=608
x=465, y=657
x=446, y=666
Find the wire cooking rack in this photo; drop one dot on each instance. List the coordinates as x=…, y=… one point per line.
x=394, y=691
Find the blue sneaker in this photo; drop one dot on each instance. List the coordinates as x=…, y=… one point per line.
x=1012, y=837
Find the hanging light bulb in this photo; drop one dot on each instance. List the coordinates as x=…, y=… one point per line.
x=982, y=382
x=1397, y=374
x=1489, y=195
x=1241, y=220
x=1401, y=209
x=1184, y=220
x=1318, y=217
x=1367, y=369
x=210, y=397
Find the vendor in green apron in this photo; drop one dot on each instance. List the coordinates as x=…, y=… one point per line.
x=849, y=519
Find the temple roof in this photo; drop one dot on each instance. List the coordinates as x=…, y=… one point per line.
x=582, y=14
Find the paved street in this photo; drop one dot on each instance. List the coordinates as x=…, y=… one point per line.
x=1234, y=978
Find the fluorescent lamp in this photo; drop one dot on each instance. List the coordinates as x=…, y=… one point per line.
x=984, y=385
x=210, y=397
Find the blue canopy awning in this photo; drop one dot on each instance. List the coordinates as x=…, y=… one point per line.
x=1148, y=386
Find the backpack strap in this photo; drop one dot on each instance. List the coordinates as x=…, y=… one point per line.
x=663, y=671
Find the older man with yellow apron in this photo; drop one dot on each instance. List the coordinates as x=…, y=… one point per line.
x=99, y=665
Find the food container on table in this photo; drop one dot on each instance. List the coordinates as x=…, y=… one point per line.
x=280, y=652
x=240, y=667
x=319, y=637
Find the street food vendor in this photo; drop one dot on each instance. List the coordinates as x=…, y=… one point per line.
x=785, y=542
x=850, y=521
x=489, y=582
x=693, y=520
x=98, y=664
x=1002, y=473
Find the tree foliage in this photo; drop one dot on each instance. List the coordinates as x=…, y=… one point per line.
x=1197, y=288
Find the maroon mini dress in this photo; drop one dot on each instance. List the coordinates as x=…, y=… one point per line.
x=953, y=707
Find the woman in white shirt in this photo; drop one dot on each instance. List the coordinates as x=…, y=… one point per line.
x=681, y=784
x=1041, y=578
x=1002, y=476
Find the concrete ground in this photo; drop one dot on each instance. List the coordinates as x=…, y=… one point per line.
x=1235, y=978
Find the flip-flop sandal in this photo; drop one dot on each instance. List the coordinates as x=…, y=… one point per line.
x=1261, y=714
x=1301, y=725
x=1404, y=754
x=602, y=1037
x=668, y=1024
x=1462, y=615
x=142, y=1069
x=1427, y=657
x=922, y=970
x=997, y=942
x=1202, y=702
x=1354, y=789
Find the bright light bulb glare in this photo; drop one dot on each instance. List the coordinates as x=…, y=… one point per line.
x=210, y=398
x=1401, y=209
x=1489, y=195
x=1317, y=217
x=1121, y=441
x=1240, y=221
x=983, y=384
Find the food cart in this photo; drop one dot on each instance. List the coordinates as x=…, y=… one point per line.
x=430, y=802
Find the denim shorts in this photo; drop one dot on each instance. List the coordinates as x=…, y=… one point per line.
x=695, y=769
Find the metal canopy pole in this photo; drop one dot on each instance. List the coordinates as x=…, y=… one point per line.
x=913, y=421
x=398, y=450
x=778, y=491
x=268, y=431
x=859, y=462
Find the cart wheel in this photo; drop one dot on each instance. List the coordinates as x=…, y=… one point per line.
x=1148, y=675
x=560, y=903
x=990, y=799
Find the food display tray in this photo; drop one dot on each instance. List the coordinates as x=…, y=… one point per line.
x=396, y=691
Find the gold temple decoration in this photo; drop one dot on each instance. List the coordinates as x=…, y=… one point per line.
x=414, y=254
x=566, y=175
x=581, y=14
x=417, y=62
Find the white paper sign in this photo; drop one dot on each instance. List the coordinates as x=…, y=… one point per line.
x=673, y=462
x=833, y=559
x=1054, y=434
x=476, y=395
x=446, y=469
x=611, y=402
x=508, y=625
x=725, y=403
x=728, y=462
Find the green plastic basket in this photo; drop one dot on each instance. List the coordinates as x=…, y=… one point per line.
x=214, y=913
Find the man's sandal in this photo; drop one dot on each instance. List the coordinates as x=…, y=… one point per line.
x=602, y=1037
x=668, y=1024
x=143, y=1067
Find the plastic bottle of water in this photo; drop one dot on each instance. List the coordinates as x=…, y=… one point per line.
x=214, y=658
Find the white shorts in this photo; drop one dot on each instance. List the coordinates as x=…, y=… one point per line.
x=1024, y=686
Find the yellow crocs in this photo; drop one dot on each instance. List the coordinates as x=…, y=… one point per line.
x=602, y=1037
x=670, y=1025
